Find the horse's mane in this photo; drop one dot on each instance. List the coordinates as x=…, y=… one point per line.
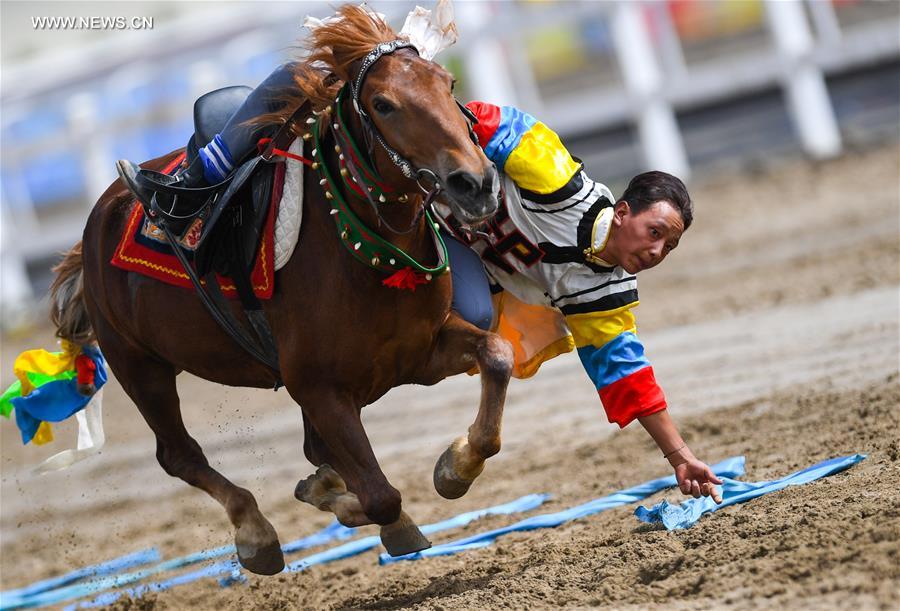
x=331, y=51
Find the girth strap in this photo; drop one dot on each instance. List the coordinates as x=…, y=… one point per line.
x=263, y=347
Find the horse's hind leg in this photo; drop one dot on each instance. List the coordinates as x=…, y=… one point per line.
x=460, y=346
x=151, y=385
x=326, y=489
x=355, y=489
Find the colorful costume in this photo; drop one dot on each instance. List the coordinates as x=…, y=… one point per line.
x=544, y=248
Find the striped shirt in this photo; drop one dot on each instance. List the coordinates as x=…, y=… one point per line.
x=542, y=247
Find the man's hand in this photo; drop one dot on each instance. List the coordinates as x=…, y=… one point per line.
x=694, y=477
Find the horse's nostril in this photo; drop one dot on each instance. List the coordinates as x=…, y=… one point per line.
x=463, y=184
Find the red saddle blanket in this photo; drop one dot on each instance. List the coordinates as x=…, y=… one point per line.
x=144, y=248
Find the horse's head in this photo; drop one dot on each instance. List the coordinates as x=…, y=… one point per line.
x=406, y=103
x=410, y=103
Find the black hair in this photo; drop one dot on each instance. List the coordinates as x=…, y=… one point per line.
x=646, y=189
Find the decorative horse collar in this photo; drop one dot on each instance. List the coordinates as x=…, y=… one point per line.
x=364, y=244
x=361, y=178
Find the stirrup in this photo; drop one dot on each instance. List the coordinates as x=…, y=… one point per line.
x=158, y=182
x=128, y=171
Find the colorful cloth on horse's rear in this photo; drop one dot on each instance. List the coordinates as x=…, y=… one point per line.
x=543, y=247
x=144, y=249
x=46, y=389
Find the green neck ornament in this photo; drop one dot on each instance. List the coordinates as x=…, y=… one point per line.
x=363, y=243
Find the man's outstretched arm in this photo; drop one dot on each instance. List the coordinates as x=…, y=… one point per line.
x=613, y=357
x=694, y=477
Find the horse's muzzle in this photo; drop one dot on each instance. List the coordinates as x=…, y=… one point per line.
x=473, y=198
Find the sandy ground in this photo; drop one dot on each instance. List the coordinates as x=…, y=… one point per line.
x=773, y=329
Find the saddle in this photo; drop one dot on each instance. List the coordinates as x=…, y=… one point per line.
x=235, y=209
x=233, y=215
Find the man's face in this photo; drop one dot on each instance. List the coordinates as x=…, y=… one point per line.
x=641, y=241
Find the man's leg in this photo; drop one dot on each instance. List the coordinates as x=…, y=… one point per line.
x=236, y=140
x=471, y=289
x=217, y=159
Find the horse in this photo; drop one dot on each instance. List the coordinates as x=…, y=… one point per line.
x=343, y=338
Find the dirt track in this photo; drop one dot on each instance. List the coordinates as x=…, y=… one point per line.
x=773, y=330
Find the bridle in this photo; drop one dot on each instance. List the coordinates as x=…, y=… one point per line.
x=426, y=179
x=359, y=177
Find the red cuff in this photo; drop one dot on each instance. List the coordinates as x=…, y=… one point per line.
x=85, y=368
x=634, y=396
x=488, y=121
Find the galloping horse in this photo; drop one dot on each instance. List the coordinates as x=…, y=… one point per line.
x=343, y=338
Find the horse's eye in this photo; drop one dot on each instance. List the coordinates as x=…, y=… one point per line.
x=382, y=107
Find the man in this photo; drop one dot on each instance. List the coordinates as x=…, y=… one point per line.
x=561, y=241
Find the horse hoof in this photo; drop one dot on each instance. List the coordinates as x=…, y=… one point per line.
x=446, y=481
x=258, y=549
x=266, y=560
x=323, y=481
x=403, y=537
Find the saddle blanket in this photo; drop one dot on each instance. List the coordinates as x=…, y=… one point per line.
x=144, y=248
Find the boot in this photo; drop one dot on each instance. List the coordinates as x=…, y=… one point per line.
x=171, y=197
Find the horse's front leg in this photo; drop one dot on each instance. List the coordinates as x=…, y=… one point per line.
x=460, y=346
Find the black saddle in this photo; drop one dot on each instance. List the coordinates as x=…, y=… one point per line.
x=233, y=219
x=235, y=215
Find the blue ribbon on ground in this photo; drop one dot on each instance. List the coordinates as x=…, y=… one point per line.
x=688, y=513
x=230, y=570
x=730, y=467
x=229, y=567
x=110, y=567
x=525, y=503
x=61, y=594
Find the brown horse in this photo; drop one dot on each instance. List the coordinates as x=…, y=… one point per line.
x=343, y=338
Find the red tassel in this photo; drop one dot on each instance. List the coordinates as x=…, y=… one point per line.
x=85, y=368
x=405, y=279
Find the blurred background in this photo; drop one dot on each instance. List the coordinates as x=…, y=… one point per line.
x=689, y=86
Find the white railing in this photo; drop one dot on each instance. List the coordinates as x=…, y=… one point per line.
x=653, y=82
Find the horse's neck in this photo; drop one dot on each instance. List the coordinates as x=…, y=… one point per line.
x=416, y=241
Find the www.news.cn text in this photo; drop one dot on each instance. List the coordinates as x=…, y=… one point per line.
x=92, y=23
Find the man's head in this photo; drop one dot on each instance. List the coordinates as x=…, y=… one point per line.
x=648, y=221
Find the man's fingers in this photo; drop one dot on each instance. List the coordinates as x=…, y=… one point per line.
x=695, y=489
x=712, y=477
x=708, y=489
x=685, y=486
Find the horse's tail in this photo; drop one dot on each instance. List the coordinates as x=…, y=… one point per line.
x=67, y=309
